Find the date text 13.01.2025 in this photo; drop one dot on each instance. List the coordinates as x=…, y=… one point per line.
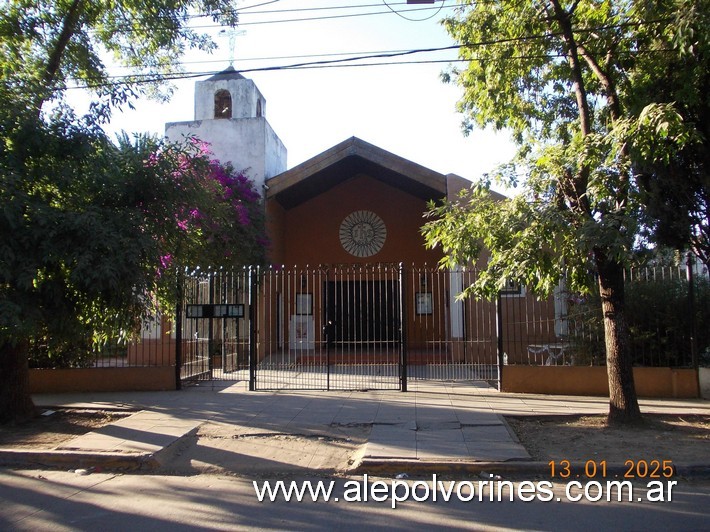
x=631, y=469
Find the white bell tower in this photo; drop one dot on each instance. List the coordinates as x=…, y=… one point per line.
x=230, y=116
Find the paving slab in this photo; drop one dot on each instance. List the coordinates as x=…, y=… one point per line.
x=388, y=433
x=497, y=433
x=434, y=424
x=142, y=432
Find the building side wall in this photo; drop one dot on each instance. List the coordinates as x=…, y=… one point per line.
x=275, y=223
x=276, y=155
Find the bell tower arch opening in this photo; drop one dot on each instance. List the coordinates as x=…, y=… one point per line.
x=222, y=104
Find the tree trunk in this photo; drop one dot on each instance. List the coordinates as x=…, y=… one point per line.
x=15, y=402
x=623, y=403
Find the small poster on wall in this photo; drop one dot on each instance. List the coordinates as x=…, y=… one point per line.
x=304, y=304
x=302, y=333
x=423, y=303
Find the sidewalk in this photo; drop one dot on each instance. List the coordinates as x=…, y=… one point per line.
x=435, y=426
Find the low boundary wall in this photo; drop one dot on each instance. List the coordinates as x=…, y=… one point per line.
x=137, y=379
x=592, y=380
x=551, y=380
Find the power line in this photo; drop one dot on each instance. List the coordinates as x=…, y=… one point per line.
x=414, y=19
x=155, y=78
x=301, y=56
x=324, y=63
x=131, y=29
x=258, y=5
x=357, y=59
x=392, y=53
x=239, y=11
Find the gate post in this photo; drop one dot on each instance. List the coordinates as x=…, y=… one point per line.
x=690, y=264
x=402, y=328
x=252, y=327
x=499, y=343
x=178, y=330
x=210, y=326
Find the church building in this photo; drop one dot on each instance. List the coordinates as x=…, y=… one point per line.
x=353, y=203
x=351, y=278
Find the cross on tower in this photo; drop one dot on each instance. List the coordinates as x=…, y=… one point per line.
x=232, y=34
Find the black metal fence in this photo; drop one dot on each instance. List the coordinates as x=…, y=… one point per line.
x=668, y=309
x=339, y=327
x=214, y=347
x=153, y=345
x=381, y=326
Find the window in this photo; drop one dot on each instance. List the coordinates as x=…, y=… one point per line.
x=512, y=289
x=222, y=104
x=258, y=108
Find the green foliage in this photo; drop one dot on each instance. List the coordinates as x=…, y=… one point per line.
x=51, y=352
x=674, y=170
x=570, y=80
x=44, y=46
x=87, y=226
x=519, y=235
x=659, y=322
x=69, y=252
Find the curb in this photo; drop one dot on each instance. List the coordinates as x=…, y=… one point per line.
x=149, y=461
x=77, y=460
x=516, y=468
x=90, y=460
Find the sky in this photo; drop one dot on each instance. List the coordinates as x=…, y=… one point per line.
x=403, y=108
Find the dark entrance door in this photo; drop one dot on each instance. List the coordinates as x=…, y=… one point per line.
x=363, y=312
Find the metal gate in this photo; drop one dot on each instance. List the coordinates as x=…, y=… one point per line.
x=213, y=326
x=337, y=327
x=330, y=327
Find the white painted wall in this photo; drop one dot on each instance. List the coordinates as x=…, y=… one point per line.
x=244, y=92
x=246, y=140
x=248, y=144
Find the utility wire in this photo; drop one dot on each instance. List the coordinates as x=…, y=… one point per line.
x=156, y=78
x=414, y=19
x=257, y=5
x=239, y=10
x=281, y=57
x=131, y=29
x=394, y=53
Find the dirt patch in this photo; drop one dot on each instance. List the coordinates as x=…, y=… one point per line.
x=53, y=428
x=680, y=438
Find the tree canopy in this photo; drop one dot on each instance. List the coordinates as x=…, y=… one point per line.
x=48, y=46
x=573, y=82
x=90, y=227
x=674, y=178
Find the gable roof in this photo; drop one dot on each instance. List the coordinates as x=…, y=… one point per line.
x=347, y=159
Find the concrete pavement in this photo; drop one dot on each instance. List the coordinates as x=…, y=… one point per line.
x=436, y=425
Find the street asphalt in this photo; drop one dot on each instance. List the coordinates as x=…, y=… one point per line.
x=435, y=426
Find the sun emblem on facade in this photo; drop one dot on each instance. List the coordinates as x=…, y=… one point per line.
x=362, y=233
